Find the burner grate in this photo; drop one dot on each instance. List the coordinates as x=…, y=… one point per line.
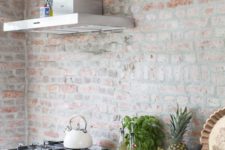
x=48, y=145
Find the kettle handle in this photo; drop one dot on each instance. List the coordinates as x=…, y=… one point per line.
x=78, y=116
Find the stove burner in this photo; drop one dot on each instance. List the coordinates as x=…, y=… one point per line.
x=48, y=145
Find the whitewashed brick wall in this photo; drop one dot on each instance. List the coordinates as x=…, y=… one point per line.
x=176, y=54
x=12, y=78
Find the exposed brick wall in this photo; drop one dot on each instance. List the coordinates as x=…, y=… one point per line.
x=176, y=54
x=12, y=77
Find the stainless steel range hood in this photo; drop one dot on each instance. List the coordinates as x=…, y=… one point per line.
x=86, y=19
x=71, y=23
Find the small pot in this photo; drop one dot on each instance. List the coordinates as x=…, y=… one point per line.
x=77, y=138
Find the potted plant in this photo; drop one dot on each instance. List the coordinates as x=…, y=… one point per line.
x=143, y=133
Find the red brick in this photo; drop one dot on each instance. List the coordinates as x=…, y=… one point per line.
x=33, y=72
x=34, y=13
x=51, y=134
x=176, y=3
x=20, y=36
x=53, y=88
x=212, y=56
x=210, y=44
x=14, y=124
x=194, y=23
x=43, y=58
x=38, y=42
x=196, y=133
x=33, y=130
x=154, y=5
x=69, y=88
x=13, y=94
x=200, y=90
x=33, y=102
x=12, y=65
x=8, y=110
x=209, y=11
x=180, y=46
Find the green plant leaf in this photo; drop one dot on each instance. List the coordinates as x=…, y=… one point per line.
x=148, y=132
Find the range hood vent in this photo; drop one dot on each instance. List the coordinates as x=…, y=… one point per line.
x=84, y=16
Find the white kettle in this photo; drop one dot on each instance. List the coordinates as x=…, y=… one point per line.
x=77, y=138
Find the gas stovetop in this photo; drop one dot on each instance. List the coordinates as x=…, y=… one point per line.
x=49, y=145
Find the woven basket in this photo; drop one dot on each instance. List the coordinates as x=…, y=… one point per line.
x=213, y=133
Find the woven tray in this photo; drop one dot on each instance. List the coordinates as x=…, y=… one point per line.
x=213, y=133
